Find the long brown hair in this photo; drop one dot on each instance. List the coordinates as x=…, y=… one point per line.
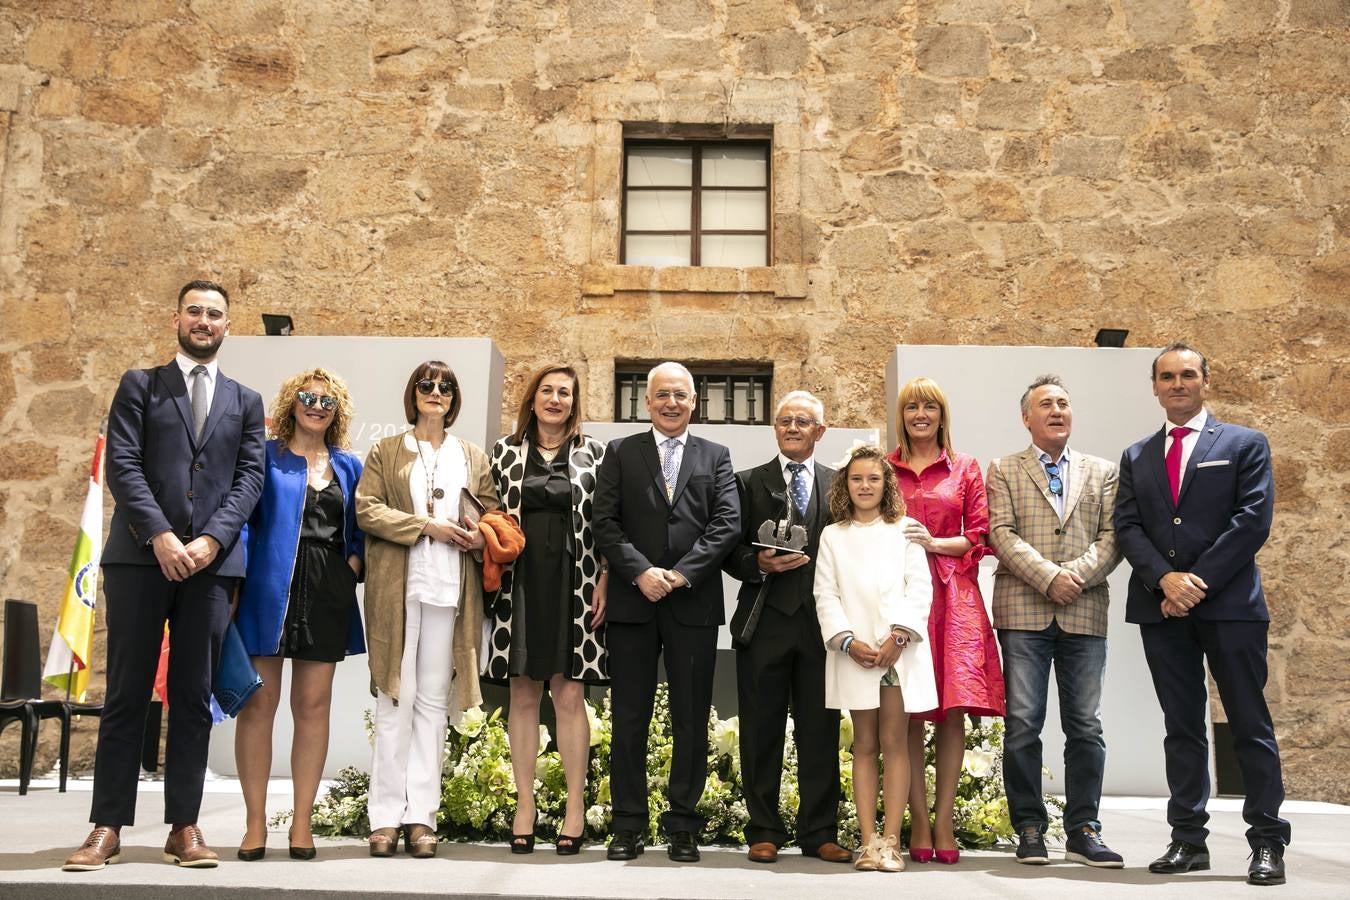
x=283, y=407
x=921, y=390
x=527, y=424
x=892, y=504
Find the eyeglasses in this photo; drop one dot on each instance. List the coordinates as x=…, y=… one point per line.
x=215, y=314
x=426, y=386
x=679, y=396
x=800, y=421
x=1056, y=485
x=308, y=400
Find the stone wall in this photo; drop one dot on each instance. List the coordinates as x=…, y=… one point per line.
x=946, y=171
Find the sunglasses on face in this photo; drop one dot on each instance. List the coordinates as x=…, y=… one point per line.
x=426, y=386
x=308, y=400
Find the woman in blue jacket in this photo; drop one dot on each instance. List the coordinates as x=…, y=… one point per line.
x=298, y=601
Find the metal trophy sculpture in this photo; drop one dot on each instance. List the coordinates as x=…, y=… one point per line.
x=784, y=535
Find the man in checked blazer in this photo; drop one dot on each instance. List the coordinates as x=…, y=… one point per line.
x=666, y=515
x=1050, y=523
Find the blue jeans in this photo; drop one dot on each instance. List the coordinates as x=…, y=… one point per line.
x=1080, y=668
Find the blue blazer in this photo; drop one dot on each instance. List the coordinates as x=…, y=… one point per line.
x=636, y=527
x=1220, y=520
x=164, y=480
x=272, y=537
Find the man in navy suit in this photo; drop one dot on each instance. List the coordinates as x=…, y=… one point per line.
x=780, y=659
x=185, y=467
x=1193, y=508
x=666, y=514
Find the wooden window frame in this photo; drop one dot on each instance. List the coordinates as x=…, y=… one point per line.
x=695, y=188
x=635, y=375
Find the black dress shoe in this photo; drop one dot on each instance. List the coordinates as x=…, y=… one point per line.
x=682, y=847
x=1180, y=857
x=625, y=845
x=1267, y=866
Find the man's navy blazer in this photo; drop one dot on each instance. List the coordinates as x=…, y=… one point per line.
x=163, y=480
x=637, y=528
x=1221, y=518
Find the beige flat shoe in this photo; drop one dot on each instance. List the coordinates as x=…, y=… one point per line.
x=869, y=858
x=890, y=858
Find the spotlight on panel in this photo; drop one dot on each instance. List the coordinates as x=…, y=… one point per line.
x=1111, y=337
x=278, y=325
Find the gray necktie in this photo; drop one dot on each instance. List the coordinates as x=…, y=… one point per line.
x=670, y=469
x=199, y=402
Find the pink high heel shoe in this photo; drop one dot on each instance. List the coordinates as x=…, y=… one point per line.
x=921, y=854
x=947, y=857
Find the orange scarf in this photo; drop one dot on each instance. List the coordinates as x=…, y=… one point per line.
x=503, y=542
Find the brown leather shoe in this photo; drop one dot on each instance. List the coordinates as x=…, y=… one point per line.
x=764, y=852
x=829, y=852
x=421, y=841
x=186, y=847
x=101, y=848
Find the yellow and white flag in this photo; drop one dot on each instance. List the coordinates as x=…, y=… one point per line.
x=73, y=642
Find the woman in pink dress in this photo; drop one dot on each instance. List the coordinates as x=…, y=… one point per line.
x=944, y=492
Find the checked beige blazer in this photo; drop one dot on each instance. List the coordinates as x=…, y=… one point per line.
x=1033, y=544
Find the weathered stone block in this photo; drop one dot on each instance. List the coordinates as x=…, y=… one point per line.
x=1159, y=21
x=854, y=104
x=1308, y=62
x=985, y=199
x=157, y=52
x=1148, y=280
x=269, y=68
x=865, y=50
x=846, y=12
x=1054, y=284
x=976, y=295
x=939, y=239
x=509, y=238
x=255, y=185
x=41, y=319
x=755, y=15
x=64, y=47
x=1069, y=198
x=666, y=54
x=599, y=56
x=1021, y=154
x=406, y=58
x=339, y=58
x=945, y=148
x=1244, y=187
x=502, y=57
x=1244, y=282
x=1319, y=14
x=872, y=150
x=123, y=103
x=1202, y=231
x=1142, y=64
x=173, y=148
x=1286, y=233
x=1089, y=157
x=902, y=196
x=1070, y=23
x=1108, y=109
x=238, y=18
x=867, y=247
x=1011, y=105
x=683, y=16
x=628, y=15
x=1173, y=155
x=1314, y=391
x=953, y=51
x=59, y=99
x=945, y=12
x=926, y=100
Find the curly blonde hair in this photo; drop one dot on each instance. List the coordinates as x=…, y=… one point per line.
x=892, y=504
x=282, y=426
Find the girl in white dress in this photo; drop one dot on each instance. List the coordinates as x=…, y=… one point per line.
x=873, y=593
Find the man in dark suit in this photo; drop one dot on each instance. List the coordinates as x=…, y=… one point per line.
x=666, y=515
x=185, y=467
x=781, y=661
x=1193, y=508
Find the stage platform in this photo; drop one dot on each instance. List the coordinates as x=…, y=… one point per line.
x=38, y=831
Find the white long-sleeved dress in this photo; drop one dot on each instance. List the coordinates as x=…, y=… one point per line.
x=868, y=578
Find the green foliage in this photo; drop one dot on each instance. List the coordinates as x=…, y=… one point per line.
x=478, y=796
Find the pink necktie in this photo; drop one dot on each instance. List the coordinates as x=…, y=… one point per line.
x=1174, y=460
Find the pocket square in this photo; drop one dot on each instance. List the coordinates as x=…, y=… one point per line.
x=1213, y=462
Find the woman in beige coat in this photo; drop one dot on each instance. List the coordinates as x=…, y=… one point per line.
x=424, y=604
x=873, y=592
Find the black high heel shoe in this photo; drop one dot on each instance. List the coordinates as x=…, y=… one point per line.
x=251, y=854
x=568, y=845
x=524, y=843
x=301, y=853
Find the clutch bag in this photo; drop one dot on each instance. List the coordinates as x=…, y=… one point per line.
x=470, y=510
x=236, y=679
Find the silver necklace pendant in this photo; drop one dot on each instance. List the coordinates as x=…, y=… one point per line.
x=438, y=493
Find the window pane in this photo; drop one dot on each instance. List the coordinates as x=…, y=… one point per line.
x=658, y=210
x=739, y=210
x=661, y=166
x=657, y=250
x=715, y=399
x=735, y=166
x=734, y=250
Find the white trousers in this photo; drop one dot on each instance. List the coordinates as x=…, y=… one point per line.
x=405, y=775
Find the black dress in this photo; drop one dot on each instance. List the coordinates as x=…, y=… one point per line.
x=541, y=596
x=323, y=586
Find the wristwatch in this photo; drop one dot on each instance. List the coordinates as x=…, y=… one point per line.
x=902, y=640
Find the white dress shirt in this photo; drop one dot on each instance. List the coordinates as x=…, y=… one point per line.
x=433, y=566
x=1196, y=425
x=1063, y=462
x=187, y=364
x=808, y=474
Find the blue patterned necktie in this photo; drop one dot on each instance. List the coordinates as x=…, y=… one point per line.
x=669, y=465
x=797, y=487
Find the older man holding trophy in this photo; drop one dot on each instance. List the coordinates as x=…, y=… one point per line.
x=780, y=659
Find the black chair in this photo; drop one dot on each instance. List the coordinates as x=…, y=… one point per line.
x=21, y=691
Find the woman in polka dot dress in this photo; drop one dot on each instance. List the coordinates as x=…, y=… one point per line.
x=546, y=621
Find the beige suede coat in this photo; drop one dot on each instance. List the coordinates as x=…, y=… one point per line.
x=384, y=512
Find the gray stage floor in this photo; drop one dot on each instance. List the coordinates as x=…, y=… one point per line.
x=39, y=830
